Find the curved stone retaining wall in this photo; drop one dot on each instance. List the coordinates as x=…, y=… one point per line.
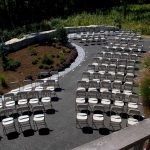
x=15, y=44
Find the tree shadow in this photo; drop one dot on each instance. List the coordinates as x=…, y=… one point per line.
x=87, y=130
x=12, y=135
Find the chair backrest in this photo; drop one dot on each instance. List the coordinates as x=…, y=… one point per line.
x=122, y=62
x=38, y=108
x=102, y=67
x=112, y=67
x=81, y=94
x=86, y=75
x=22, y=95
x=96, y=75
x=106, y=84
x=117, y=85
x=117, y=109
x=106, y=95
x=22, y=109
x=28, y=81
x=50, y=82
x=121, y=68
x=97, y=60
x=124, y=56
x=129, y=78
x=106, y=61
x=120, y=96
x=82, y=84
x=39, y=82
x=98, y=107
x=92, y=94
x=81, y=107
x=45, y=93
x=119, y=77
x=108, y=54
x=91, y=67
x=128, y=86
x=132, y=112
x=113, y=61
x=33, y=94
x=9, y=96
x=93, y=84
x=131, y=63
x=134, y=98
x=6, y=111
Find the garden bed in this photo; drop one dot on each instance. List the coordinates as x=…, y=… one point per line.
x=38, y=58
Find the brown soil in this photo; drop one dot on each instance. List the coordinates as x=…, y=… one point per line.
x=27, y=68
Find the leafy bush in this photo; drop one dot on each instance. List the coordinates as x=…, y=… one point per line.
x=61, y=35
x=55, y=23
x=35, y=61
x=145, y=86
x=3, y=82
x=146, y=60
x=12, y=65
x=44, y=66
x=47, y=59
x=32, y=50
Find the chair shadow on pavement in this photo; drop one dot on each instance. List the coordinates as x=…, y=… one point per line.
x=87, y=130
x=44, y=131
x=28, y=132
x=104, y=131
x=50, y=111
x=12, y=135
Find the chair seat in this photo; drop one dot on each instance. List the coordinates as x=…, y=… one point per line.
x=46, y=99
x=112, y=73
x=127, y=92
x=132, y=105
x=102, y=72
x=51, y=88
x=119, y=103
x=97, y=80
x=95, y=64
x=7, y=121
x=114, y=91
x=98, y=117
x=105, y=101
x=38, y=117
x=22, y=101
x=104, y=90
x=92, y=89
x=93, y=100
x=10, y=103
x=39, y=88
x=91, y=71
x=80, y=100
x=27, y=89
x=33, y=100
x=132, y=121
x=23, y=118
x=82, y=116
x=85, y=79
x=115, y=118
x=81, y=89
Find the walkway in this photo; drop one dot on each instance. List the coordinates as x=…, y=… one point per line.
x=63, y=134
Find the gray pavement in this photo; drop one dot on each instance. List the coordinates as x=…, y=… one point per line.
x=63, y=133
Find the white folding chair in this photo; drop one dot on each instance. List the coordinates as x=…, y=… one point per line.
x=82, y=115
x=116, y=120
x=22, y=98
x=33, y=97
x=91, y=69
x=93, y=86
x=80, y=97
x=9, y=100
x=96, y=77
x=46, y=99
x=98, y=115
x=81, y=85
x=128, y=88
x=133, y=101
x=85, y=76
x=105, y=85
x=24, y=119
x=39, y=117
x=92, y=97
x=116, y=87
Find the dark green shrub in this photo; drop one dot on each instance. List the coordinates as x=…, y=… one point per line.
x=61, y=35
x=3, y=82
x=32, y=50
x=55, y=23
x=41, y=66
x=44, y=66
x=35, y=61
x=12, y=65
x=47, y=59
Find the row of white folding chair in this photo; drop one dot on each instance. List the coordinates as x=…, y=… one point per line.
x=112, y=68
x=27, y=98
x=99, y=118
x=104, y=85
x=117, y=55
x=24, y=120
x=112, y=76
